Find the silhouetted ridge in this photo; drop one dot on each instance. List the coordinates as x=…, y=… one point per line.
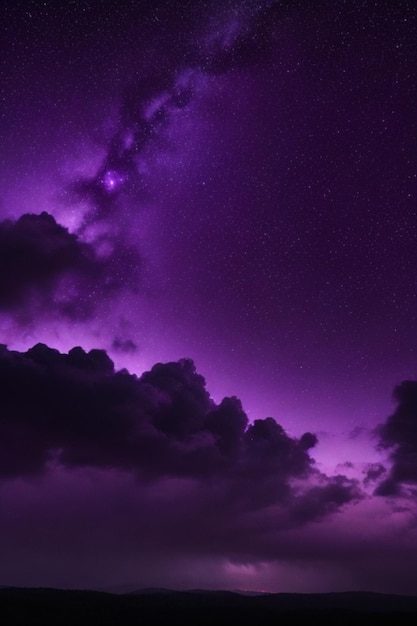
x=56, y=606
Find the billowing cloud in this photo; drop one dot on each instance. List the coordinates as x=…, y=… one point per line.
x=75, y=410
x=45, y=267
x=399, y=434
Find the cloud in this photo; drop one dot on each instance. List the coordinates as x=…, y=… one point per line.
x=133, y=471
x=399, y=435
x=324, y=499
x=75, y=410
x=45, y=267
x=124, y=345
x=35, y=252
x=373, y=472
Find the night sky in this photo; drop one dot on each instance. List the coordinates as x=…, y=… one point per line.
x=208, y=278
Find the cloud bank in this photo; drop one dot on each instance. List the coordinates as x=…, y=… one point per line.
x=148, y=475
x=75, y=410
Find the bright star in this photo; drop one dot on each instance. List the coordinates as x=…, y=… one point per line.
x=112, y=180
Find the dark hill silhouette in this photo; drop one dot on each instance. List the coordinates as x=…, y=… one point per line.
x=27, y=606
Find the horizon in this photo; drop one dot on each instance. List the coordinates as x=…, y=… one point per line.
x=244, y=592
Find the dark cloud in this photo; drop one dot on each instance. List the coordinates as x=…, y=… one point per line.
x=388, y=487
x=124, y=345
x=44, y=266
x=399, y=434
x=322, y=500
x=76, y=410
x=35, y=252
x=373, y=472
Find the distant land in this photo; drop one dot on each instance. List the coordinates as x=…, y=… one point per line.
x=27, y=606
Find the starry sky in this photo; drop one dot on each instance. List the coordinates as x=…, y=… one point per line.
x=208, y=294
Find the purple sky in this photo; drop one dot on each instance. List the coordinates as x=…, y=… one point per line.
x=226, y=190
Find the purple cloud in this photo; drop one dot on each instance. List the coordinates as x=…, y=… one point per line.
x=44, y=267
x=76, y=410
x=399, y=435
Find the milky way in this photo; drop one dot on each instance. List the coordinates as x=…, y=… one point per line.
x=207, y=294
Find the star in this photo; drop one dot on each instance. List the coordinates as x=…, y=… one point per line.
x=112, y=180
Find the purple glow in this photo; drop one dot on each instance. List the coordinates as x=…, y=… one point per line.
x=233, y=185
x=112, y=180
